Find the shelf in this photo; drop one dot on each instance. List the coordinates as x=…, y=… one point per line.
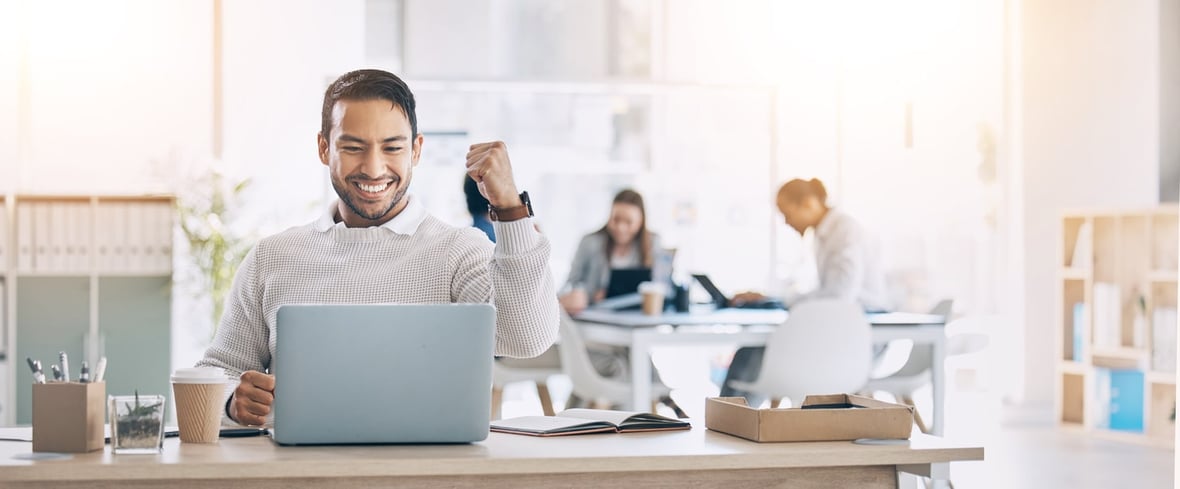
x=1120, y=358
x=1072, y=367
x=1160, y=377
x=1073, y=273
x=1163, y=276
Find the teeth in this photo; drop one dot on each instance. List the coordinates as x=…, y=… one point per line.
x=372, y=188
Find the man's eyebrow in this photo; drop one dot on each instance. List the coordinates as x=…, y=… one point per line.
x=351, y=138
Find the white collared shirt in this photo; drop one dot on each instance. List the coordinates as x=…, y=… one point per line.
x=849, y=263
x=405, y=222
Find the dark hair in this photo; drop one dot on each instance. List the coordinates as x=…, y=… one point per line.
x=368, y=85
x=797, y=190
x=631, y=197
x=477, y=205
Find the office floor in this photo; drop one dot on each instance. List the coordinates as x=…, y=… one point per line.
x=1025, y=448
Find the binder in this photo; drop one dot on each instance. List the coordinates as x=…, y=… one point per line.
x=162, y=237
x=24, y=236
x=84, y=233
x=118, y=237
x=41, y=238
x=4, y=234
x=57, y=237
x=135, y=230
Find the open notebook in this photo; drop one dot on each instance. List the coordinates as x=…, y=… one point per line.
x=581, y=421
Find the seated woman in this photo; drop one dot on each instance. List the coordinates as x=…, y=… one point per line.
x=623, y=242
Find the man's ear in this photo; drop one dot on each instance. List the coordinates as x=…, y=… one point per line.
x=417, y=148
x=322, y=142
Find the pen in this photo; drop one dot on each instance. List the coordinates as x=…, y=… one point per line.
x=38, y=375
x=84, y=377
x=100, y=370
x=65, y=366
x=56, y=372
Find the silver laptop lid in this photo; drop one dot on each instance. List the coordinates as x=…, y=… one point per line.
x=383, y=373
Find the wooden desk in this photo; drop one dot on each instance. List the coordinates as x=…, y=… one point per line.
x=696, y=458
x=747, y=327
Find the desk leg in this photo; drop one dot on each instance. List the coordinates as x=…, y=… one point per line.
x=938, y=384
x=939, y=473
x=640, y=373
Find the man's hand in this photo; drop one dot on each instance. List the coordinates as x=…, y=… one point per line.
x=745, y=297
x=253, y=398
x=488, y=165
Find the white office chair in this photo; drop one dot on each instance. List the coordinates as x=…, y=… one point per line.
x=915, y=374
x=503, y=375
x=588, y=384
x=824, y=347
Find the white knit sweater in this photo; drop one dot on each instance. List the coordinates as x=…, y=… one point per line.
x=414, y=258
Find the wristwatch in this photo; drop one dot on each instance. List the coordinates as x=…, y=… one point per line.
x=509, y=214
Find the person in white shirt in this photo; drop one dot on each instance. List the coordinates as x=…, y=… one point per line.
x=847, y=260
x=377, y=244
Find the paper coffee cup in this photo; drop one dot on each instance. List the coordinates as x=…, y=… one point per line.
x=199, y=394
x=653, y=297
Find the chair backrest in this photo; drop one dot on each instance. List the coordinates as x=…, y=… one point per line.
x=575, y=361
x=824, y=347
x=919, y=359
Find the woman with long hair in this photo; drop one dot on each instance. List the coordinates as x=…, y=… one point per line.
x=623, y=242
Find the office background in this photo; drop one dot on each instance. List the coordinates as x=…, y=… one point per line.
x=956, y=131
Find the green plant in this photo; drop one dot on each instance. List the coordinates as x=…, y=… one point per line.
x=206, y=209
x=140, y=411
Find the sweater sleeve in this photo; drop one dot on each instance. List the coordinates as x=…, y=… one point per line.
x=242, y=339
x=517, y=280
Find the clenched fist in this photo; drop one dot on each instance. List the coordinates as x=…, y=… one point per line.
x=488, y=165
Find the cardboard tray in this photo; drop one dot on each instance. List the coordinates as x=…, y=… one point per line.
x=850, y=417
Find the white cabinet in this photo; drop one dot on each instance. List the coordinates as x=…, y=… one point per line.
x=91, y=276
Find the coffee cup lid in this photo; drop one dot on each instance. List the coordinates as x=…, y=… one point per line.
x=652, y=288
x=199, y=375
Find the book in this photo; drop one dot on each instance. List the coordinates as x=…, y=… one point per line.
x=583, y=421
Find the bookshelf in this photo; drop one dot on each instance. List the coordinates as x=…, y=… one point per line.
x=1116, y=322
x=90, y=275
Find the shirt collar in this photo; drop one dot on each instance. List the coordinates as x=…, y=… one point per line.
x=405, y=222
x=827, y=225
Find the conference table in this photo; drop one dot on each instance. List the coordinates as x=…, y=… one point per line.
x=695, y=458
x=705, y=325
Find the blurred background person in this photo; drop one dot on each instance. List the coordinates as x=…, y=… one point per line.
x=846, y=256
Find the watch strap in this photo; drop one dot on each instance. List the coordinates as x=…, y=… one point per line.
x=509, y=214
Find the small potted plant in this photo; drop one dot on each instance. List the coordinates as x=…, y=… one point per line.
x=137, y=423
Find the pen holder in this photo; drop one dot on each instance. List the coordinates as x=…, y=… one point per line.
x=68, y=416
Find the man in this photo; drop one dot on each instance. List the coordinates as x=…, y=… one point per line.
x=376, y=244
x=849, y=267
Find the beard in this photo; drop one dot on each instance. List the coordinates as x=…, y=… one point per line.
x=344, y=190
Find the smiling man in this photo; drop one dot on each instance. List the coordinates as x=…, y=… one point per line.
x=378, y=244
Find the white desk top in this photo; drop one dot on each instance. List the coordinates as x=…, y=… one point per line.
x=500, y=454
x=744, y=317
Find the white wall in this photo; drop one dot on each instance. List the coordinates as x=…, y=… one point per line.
x=117, y=92
x=278, y=58
x=1090, y=138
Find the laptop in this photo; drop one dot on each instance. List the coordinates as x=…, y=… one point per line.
x=625, y=281
x=721, y=301
x=383, y=373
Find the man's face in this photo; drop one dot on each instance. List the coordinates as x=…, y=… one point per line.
x=370, y=155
